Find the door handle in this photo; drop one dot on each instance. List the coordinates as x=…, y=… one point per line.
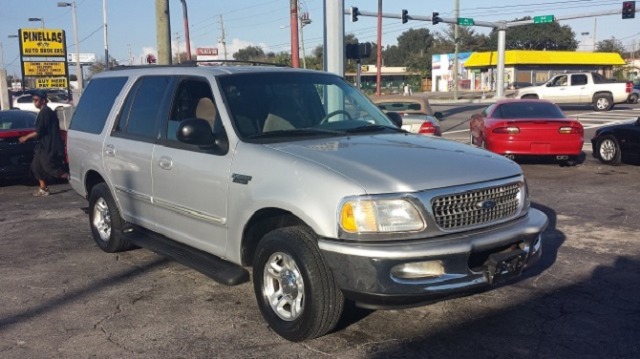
x=166, y=163
x=110, y=150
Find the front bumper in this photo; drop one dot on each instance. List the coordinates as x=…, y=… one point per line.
x=364, y=270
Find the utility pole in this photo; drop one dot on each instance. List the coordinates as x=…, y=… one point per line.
x=187, y=39
x=178, y=45
x=106, y=42
x=304, y=20
x=379, y=57
x=295, y=50
x=456, y=34
x=223, y=40
x=333, y=49
x=595, y=28
x=163, y=32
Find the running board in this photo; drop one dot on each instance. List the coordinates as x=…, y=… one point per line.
x=218, y=269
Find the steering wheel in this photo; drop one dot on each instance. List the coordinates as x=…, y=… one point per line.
x=331, y=114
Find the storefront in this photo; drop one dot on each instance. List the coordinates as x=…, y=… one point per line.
x=525, y=68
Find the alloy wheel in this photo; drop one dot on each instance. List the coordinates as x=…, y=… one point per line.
x=102, y=219
x=283, y=286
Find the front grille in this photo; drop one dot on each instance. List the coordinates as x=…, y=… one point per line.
x=477, y=207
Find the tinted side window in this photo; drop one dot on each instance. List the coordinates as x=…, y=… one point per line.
x=140, y=112
x=25, y=99
x=578, y=80
x=95, y=105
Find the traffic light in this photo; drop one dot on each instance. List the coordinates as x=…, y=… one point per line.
x=628, y=9
x=405, y=16
x=354, y=14
x=435, y=18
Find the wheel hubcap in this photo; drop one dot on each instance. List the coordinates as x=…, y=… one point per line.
x=607, y=150
x=602, y=103
x=102, y=219
x=283, y=286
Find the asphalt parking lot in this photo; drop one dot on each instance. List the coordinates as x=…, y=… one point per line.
x=64, y=298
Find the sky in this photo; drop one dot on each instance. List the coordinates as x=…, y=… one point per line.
x=131, y=23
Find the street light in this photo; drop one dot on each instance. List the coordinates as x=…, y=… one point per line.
x=41, y=19
x=75, y=30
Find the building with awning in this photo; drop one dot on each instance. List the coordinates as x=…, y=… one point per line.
x=524, y=67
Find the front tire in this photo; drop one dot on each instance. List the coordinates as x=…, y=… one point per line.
x=530, y=97
x=602, y=102
x=294, y=287
x=105, y=220
x=609, y=150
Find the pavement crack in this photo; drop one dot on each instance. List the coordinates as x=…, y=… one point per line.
x=308, y=347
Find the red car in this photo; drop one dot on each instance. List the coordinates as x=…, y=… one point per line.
x=527, y=128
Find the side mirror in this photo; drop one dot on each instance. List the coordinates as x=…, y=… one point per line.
x=548, y=84
x=396, y=118
x=438, y=115
x=195, y=131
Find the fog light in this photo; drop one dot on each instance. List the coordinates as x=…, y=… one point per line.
x=418, y=270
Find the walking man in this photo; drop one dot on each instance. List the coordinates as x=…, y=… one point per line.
x=49, y=152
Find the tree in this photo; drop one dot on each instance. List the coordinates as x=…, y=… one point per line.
x=250, y=53
x=98, y=66
x=551, y=36
x=468, y=41
x=610, y=45
x=413, y=51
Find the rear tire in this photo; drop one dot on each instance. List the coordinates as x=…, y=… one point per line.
x=530, y=97
x=294, y=287
x=609, y=150
x=633, y=98
x=602, y=102
x=105, y=220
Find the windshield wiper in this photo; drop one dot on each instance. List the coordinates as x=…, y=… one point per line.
x=374, y=128
x=297, y=132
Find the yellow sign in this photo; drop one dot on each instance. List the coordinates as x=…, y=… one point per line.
x=364, y=68
x=42, y=42
x=51, y=82
x=44, y=68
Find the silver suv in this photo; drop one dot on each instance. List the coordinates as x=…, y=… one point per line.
x=298, y=176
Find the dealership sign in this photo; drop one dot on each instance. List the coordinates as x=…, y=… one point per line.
x=44, y=68
x=206, y=53
x=51, y=82
x=42, y=42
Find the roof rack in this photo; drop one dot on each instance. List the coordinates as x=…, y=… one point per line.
x=236, y=62
x=200, y=63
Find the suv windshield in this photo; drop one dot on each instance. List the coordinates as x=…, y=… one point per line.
x=291, y=106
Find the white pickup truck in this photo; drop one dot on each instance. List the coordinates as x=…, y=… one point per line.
x=580, y=88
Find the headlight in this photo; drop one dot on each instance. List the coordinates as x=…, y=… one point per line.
x=527, y=200
x=380, y=216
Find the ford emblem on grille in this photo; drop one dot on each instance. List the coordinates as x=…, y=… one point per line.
x=488, y=204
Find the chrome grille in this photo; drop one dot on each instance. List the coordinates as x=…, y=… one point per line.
x=477, y=207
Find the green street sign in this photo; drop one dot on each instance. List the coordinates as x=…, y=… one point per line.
x=544, y=19
x=465, y=21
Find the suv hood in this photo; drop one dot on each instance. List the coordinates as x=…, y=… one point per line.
x=387, y=163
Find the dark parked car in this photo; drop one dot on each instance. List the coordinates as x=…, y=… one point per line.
x=15, y=157
x=635, y=94
x=614, y=143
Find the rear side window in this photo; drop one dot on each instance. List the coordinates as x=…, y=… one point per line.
x=140, y=111
x=578, y=80
x=95, y=105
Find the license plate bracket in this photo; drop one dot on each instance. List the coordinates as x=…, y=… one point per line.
x=505, y=265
